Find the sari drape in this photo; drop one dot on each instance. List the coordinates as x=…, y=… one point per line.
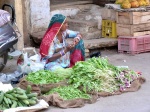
x=77, y=54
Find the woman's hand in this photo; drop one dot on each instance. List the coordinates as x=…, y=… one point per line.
x=76, y=40
x=69, y=47
x=61, y=52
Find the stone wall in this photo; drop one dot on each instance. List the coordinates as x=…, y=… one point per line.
x=39, y=15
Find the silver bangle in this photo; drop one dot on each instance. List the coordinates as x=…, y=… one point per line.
x=78, y=37
x=62, y=52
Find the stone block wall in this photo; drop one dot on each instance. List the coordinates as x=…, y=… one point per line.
x=39, y=15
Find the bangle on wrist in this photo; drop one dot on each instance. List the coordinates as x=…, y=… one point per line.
x=62, y=52
x=78, y=38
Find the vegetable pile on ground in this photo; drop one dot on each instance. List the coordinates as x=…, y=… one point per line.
x=125, y=78
x=92, y=75
x=44, y=77
x=68, y=93
x=96, y=74
x=17, y=97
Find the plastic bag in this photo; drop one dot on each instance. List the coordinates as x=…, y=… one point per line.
x=6, y=78
x=12, y=78
x=5, y=87
x=30, y=61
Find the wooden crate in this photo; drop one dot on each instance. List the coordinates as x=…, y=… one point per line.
x=132, y=17
x=133, y=30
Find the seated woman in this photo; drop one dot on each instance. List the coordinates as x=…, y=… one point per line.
x=54, y=49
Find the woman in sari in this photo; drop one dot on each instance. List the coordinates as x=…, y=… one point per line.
x=54, y=49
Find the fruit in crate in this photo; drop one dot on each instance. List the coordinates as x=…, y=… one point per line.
x=126, y=4
x=134, y=4
x=119, y=1
x=142, y=2
x=147, y=2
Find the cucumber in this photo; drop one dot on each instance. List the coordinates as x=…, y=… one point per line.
x=29, y=88
x=5, y=105
x=23, y=104
x=10, y=96
x=10, y=91
x=34, y=98
x=26, y=102
x=32, y=95
x=20, y=92
x=32, y=102
x=9, y=101
x=20, y=104
x=6, y=101
x=1, y=107
x=14, y=105
x=1, y=96
x=22, y=97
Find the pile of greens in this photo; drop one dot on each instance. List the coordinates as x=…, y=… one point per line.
x=44, y=77
x=64, y=73
x=68, y=93
x=95, y=74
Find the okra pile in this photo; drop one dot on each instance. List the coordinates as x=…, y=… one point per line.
x=17, y=97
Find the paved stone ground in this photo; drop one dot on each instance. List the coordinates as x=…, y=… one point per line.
x=138, y=101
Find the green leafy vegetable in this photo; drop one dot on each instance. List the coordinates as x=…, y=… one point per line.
x=95, y=74
x=64, y=73
x=44, y=77
x=68, y=93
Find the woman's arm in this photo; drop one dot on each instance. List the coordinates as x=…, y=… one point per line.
x=56, y=56
x=60, y=53
x=58, y=50
x=73, y=34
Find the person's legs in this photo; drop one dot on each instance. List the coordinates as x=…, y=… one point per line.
x=52, y=66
